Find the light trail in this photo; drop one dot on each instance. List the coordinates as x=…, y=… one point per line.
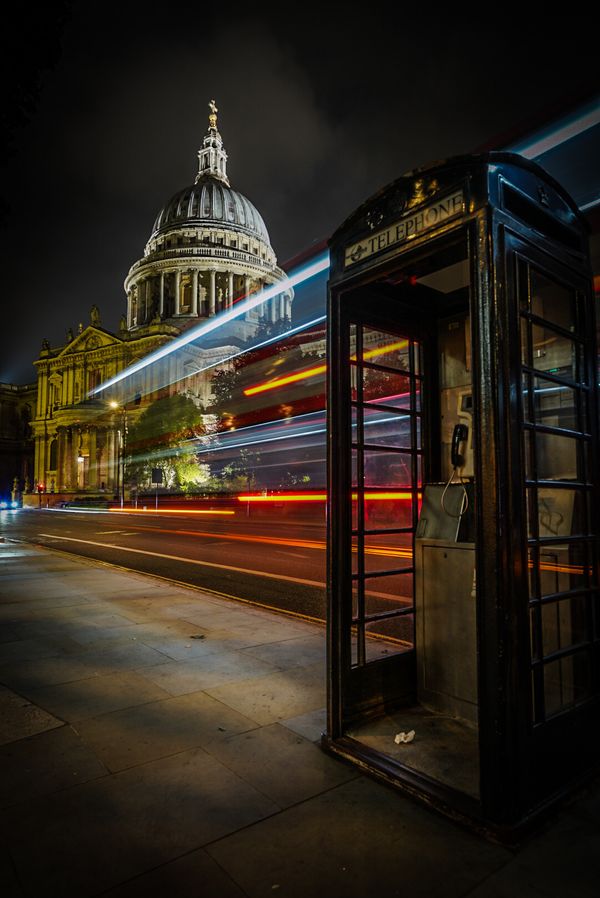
x=169, y=511
x=231, y=439
x=322, y=497
x=195, y=333
x=254, y=346
x=288, y=379
x=547, y=140
x=195, y=561
x=319, y=369
x=316, y=545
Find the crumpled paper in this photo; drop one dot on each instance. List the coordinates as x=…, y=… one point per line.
x=404, y=737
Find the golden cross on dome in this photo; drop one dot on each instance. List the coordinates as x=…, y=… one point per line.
x=212, y=118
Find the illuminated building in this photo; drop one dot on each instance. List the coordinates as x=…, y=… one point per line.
x=209, y=248
x=16, y=449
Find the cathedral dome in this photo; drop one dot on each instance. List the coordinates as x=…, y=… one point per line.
x=209, y=249
x=210, y=202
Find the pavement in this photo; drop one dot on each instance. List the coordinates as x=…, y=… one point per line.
x=160, y=741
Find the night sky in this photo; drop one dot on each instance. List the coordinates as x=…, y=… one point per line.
x=106, y=106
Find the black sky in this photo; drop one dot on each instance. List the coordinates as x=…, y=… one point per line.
x=319, y=107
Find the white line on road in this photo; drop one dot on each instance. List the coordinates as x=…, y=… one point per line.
x=116, y=533
x=223, y=567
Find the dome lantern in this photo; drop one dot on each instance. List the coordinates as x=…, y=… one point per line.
x=212, y=158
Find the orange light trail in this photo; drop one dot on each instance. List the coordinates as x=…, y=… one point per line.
x=289, y=379
x=319, y=369
x=318, y=545
x=322, y=497
x=170, y=511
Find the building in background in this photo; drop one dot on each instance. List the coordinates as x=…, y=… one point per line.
x=17, y=406
x=208, y=248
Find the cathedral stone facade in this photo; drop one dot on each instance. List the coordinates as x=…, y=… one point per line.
x=209, y=247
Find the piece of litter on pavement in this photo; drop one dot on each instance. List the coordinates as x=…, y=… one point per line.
x=404, y=737
x=197, y=636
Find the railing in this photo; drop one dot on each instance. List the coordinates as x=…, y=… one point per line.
x=208, y=252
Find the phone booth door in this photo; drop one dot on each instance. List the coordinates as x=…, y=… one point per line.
x=402, y=644
x=380, y=371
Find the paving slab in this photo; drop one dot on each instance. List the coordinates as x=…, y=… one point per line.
x=276, y=697
x=357, y=840
x=196, y=874
x=311, y=725
x=83, y=840
x=281, y=764
x=561, y=859
x=20, y=718
x=159, y=729
x=44, y=764
x=96, y=696
x=214, y=669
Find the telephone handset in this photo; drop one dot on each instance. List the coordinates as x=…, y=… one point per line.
x=459, y=435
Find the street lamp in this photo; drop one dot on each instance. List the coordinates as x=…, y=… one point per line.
x=122, y=432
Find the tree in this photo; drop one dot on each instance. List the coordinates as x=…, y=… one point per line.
x=166, y=436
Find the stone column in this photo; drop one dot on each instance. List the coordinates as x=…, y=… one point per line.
x=212, y=293
x=38, y=461
x=230, y=290
x=110, y=460
x=273, y=304
x=248, y=314
x=93, y=468
x=195, y=292
x=75, y=437
x=60, y=463
x=162, y=294
x=177, y=292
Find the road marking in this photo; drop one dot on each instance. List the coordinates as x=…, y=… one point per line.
x=391, y=551
x=223, y=567
x=115, y=532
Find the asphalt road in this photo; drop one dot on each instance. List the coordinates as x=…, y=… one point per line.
x=274, y=562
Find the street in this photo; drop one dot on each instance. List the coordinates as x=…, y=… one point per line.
x=275, y=563
x=269, y=560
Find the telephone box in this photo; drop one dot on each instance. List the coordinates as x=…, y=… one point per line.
x=463, y=618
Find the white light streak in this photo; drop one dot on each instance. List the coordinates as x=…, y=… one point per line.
x=253, y=346
x=550, y=139
x=207, y=327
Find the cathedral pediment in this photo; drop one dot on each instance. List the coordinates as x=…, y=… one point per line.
x=90, y=339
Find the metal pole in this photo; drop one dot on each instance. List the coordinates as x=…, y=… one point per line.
x=123, y=445
x=121, y=470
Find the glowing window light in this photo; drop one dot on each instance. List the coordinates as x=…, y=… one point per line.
x=207, y=327
x=319, y=369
